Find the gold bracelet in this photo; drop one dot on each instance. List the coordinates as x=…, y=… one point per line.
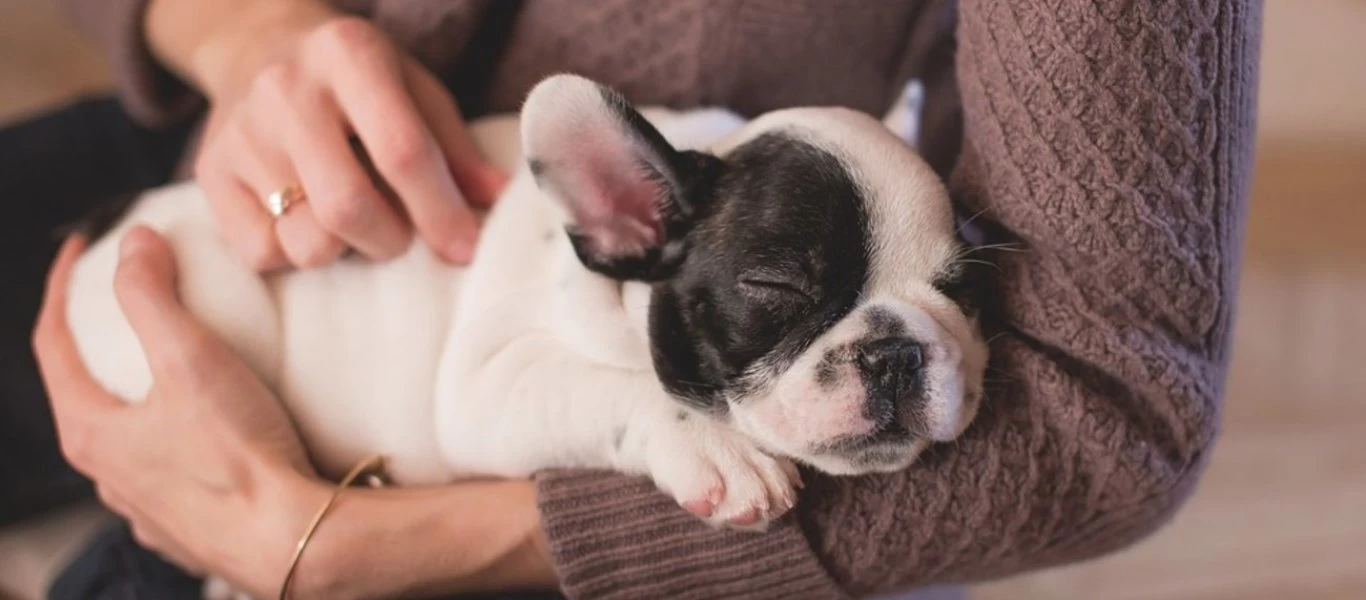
x=373, y=466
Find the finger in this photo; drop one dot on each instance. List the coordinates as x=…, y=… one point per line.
x=344, y=208
x=64, y=373
x=480, y=180
x=145, y=284
x=372, y=94
x=245, y=225
x=266, y=169
x=306, y=243
x=52, y=312
x=82, y=409
x=345, y=199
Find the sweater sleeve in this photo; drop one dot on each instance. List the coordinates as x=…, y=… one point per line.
x=1111, y=141
x=435, y=34
x=151, y=94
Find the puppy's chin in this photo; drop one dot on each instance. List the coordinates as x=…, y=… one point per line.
x=852, y=454
x=831, y=433
x=883, y=458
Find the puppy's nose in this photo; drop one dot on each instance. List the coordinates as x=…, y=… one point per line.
x=889, y=356
x=891, y=376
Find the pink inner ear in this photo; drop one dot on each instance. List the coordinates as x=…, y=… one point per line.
x=614, y=201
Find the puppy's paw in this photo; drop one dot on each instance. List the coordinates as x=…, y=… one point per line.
x=216, y=588
x=722, y=476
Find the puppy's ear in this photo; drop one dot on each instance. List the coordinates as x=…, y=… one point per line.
x=631, y=197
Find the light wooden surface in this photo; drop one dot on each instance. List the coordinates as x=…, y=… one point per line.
x=1282, y=510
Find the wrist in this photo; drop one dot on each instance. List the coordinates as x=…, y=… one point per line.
x=261, y=522
x=287, y=501
x=218, y=46
x=340, y=546
x=461, y=538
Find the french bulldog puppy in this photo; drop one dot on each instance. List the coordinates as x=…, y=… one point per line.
x=680, y=294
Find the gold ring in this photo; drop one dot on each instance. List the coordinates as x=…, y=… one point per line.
x=280, y=200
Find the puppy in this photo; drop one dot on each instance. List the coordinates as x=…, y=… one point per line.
x=683, y=295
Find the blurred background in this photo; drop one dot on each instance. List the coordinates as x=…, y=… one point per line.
x=1282, y=510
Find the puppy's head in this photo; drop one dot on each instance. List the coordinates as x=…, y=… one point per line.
x=806, y=276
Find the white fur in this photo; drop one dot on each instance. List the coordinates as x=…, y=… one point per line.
x=522, y=361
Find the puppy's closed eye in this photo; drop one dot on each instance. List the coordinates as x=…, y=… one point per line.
x=771, y=288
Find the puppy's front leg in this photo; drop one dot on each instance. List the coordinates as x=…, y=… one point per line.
x=535, y=405
x=710, y=468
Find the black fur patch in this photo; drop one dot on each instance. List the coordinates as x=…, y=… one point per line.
x=790, y=213
x=883, y=324
x=537, y=167
x=827, y=371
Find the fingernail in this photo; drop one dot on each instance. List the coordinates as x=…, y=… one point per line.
x=461, y=250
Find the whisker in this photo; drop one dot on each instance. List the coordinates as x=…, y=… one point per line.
x=1005, y=246
x=969, y=220
x=974, y=261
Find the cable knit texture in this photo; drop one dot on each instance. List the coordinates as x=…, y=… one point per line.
x=1109, y=141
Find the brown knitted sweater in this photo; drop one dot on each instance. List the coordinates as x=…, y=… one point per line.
x=1110, y=140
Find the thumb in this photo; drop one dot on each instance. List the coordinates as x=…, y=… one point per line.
x=145, y=284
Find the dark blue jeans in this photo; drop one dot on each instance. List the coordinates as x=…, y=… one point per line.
x=54, y=169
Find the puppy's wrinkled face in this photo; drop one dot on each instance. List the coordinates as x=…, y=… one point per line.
x=806, y=276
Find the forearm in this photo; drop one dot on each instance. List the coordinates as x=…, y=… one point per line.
x=473, y=537
x=215, y=44
x=1121, y=177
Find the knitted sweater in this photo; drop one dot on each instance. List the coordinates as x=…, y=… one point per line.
x=1110, y=142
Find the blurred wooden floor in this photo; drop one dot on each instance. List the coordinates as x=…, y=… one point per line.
x=1282, y=510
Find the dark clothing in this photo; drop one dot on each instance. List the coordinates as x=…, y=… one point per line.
x=53, y=169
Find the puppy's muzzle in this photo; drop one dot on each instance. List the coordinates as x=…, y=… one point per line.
x=893, y=375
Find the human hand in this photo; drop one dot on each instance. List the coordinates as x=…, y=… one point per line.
x=202, y=469
x=289, y=83
x=210, y=472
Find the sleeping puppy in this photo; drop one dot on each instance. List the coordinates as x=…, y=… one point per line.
x=683, y=295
